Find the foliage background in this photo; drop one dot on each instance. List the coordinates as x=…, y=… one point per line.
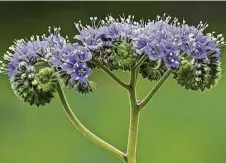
x=178, y=126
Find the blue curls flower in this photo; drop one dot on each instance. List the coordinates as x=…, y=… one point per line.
x=27, y=65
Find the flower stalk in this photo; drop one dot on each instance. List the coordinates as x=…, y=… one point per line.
x=112, y=75
x=82, y=129
x=134, y=118
x=154, y=90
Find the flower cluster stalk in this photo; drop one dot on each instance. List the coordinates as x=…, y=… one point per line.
x=81, y=128
x=135, y=107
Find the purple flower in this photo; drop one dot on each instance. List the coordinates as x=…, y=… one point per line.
x=54, y=38
x=196, y=49
x=56, y=59
x=140, y=43
x=82, y=54
x=105, y=33
x=71, y=59
x=12, y=69
x=155, y=50
x=89, y=37
x=71, y=54
x=171, y=59
x=26, y=53
x=80, y=72
x=105, y=37
x=112, y=31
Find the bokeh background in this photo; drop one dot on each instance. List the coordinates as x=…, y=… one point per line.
x=178, y=126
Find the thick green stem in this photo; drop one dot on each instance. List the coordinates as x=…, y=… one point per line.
x=85, y=131
x=133, y=134
x=154, y=90
x=134, y=119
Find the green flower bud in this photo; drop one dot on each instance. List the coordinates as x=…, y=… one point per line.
x=46, y=79
x=122, y=56
x=38, y=89
x=85, y=88
x=199, y=74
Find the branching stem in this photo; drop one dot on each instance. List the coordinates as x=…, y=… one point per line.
x=81, y=128
x=140, y=61
x=154, y=89
x=112, y=75
x=135, y=108
x=134, y=118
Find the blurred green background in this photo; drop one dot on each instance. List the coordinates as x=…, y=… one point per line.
x=178, y=126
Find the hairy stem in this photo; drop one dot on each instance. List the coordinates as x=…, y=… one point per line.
x=134, y=119
x=154, y=90
x=84, y=130
x=107, y=71
x=140, y=61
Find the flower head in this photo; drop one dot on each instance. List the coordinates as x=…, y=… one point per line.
x=71, y=60
x=28, y=67
x=80, y=72
x=118, y=43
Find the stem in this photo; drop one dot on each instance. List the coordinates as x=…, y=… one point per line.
x=154, y=90
x=140, y=61
x=107, y=71
x=133, y=134
x=84, y=130
x=134, y=119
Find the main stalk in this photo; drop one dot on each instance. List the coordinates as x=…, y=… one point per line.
x=134, y=119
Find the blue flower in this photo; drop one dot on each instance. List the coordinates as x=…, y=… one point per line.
x=112, y=30
x=26, y=53
x=196, y=49
x=171, y=58
x=155, y=50
x=54, y=39
x=151, y=38
x=104, y=34
x=71, y=59
x=80, y=72
x=89, y=37
x=140, y=43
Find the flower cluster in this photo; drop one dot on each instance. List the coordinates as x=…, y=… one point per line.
x=35, y=65
x=71, y=59
x=164, y=41
x=165, y=38
x=28, y=67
